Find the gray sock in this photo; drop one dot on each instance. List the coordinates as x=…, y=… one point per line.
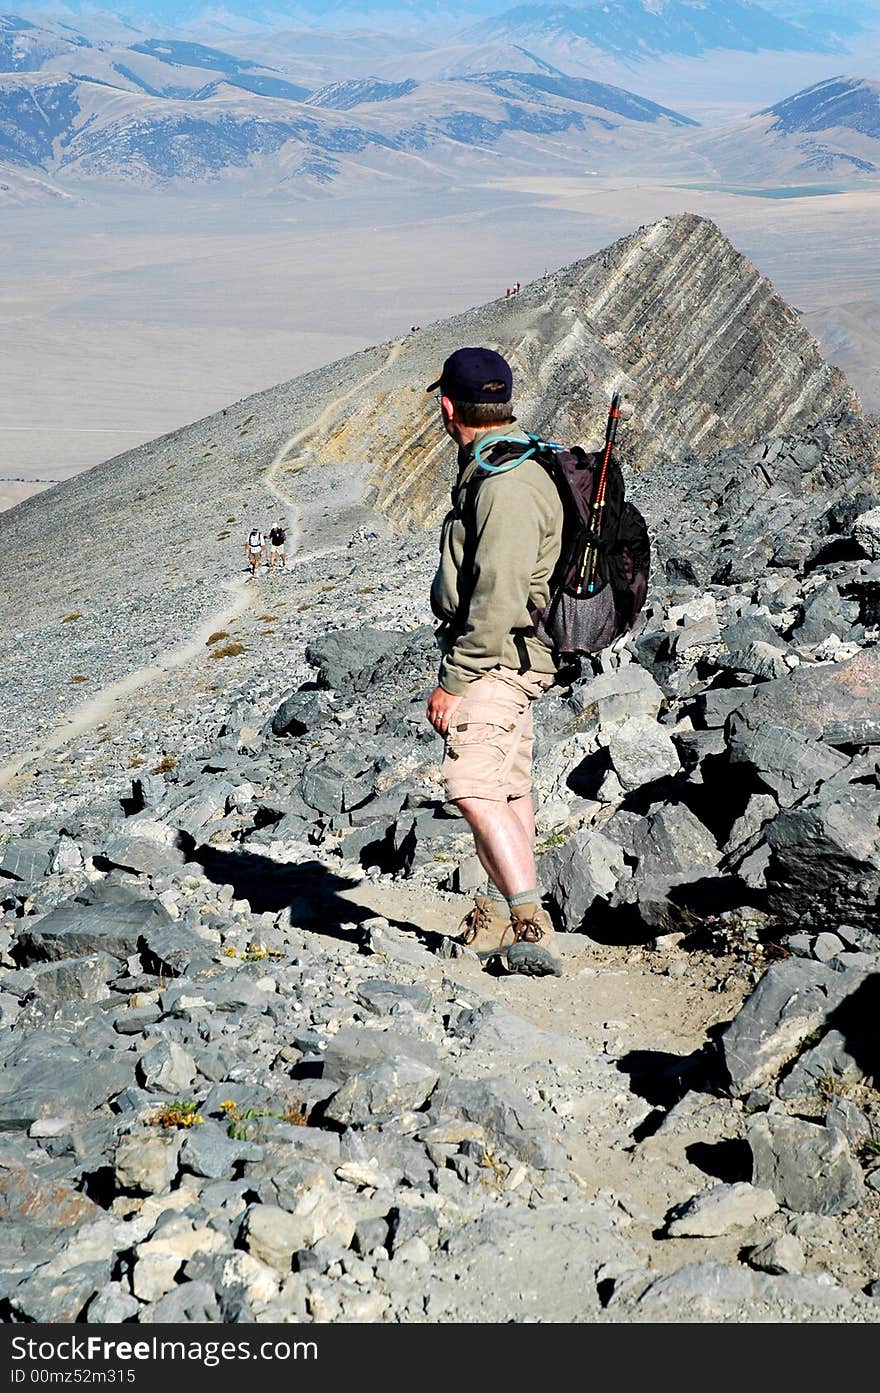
x=524, y=897
x=494, y=894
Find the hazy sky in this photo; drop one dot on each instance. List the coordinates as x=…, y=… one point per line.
x=428, y=14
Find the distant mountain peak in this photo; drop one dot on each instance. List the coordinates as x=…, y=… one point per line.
x=849, y=102
x=645, y=29
x=343, y=96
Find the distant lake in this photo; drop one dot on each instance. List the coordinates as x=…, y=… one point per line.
x=785, y=191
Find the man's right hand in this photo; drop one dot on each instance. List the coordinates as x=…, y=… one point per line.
x=440, y=709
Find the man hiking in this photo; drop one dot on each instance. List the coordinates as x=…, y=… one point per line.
x=499, y=545
x=277, y=540
x=254, y=548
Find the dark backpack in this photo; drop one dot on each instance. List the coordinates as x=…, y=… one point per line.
x=600, y=582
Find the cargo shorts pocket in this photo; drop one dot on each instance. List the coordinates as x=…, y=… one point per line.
x=467, y=737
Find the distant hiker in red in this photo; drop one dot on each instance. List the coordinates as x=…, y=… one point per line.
x=516, y=287
x=499, y=546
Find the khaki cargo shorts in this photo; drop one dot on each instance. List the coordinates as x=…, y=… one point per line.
x=488, y=750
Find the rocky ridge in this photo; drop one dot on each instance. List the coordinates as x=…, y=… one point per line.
x=244, y=1075
x=360, y=437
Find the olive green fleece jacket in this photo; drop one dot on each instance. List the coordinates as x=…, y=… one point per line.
x=517, y=532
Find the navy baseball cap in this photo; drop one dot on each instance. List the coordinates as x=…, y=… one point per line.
x=475, y=374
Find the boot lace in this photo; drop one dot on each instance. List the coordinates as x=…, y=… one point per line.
x=528, y=930
x=478, y=918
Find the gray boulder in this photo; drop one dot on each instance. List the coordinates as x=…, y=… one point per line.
x=809, y=1168
x=333, y=784
x=166, y=1067
x=825, y=862
x=866, y=533
x=781, y=758
x=113, y=923
x=723, y=1209
x=301, y=713
x=27, y=859
x=384, y=1089
x=830, y=1059
x=586, y=867
x=792, y=999
x=505, y=1114
x=209, y=1151
x=50, y=1297
x=62, y=987
x=642, y=751
x=350, y=660
x=383, y=998
x=617, y=695
x=713, y=1289
x=778, y=1255
x=141, y=855
x=43, y=1077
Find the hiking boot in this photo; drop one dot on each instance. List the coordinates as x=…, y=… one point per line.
x=534, y=951
x=485, y=930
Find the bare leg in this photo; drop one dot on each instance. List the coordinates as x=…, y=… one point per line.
x=504, y=844
x=524, y=809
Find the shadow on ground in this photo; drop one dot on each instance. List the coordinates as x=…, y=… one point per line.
x=314, y=897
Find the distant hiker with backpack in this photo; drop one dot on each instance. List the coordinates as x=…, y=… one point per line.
x=524, y=581
x=254, y=548
x=277, y=540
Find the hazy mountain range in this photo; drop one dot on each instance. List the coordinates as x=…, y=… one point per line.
x=74, y=108
x=664, y=26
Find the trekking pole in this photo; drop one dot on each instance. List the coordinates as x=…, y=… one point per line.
x=591, y=557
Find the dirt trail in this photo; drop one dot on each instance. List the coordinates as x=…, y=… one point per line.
x=285, y=456
x=105, y=704
x=618, y=998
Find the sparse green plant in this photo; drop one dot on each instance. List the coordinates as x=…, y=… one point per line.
x=229, y=650
x=231, y=519
x=554, y=839
x=216, y=637
x=835, y=1084
x=79, y=677
x=177, y=1113
x=69, y=618
x=870, y=1149
x=238, y=1118
x=221, y=536
x=166, y=764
